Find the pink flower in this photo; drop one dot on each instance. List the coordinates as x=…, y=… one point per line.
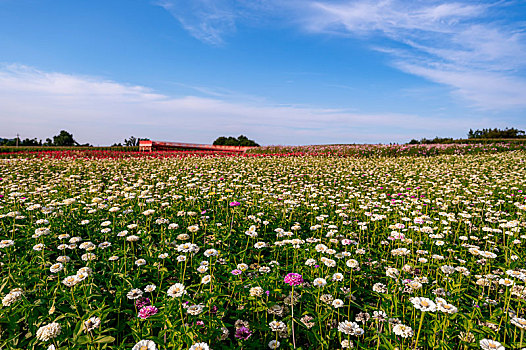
x=293, y=279
x=147, y=311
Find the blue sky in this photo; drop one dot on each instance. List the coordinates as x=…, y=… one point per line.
x=280, y=72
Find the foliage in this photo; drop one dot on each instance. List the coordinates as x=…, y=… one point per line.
x=508, y=133
x=25, y=142
x=232, y=141
x=436, y=140
x=64, y=138
x=133, y=141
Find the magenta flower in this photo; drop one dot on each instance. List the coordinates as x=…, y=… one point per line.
x=293, y=279
x=236, y=272
x=147, y=311
x=235, y=204
x=142, y=302
x=243, y=333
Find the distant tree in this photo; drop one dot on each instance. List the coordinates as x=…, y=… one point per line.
x=133, y=141
x=436, y=140
x=220, y=141
x=507, y=133
x=30, y=142
x=9, y=142
x=48, y=142
x=64, y=138
x=242, y=140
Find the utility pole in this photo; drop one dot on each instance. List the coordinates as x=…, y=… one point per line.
x=17, y=138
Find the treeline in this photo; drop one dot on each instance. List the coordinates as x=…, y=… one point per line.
x=63, y=139
x=242, y=140
x=484, y=135
x=508, y=133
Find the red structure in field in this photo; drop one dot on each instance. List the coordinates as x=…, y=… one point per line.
x=149, y=146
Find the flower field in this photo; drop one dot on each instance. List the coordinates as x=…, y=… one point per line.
x=256, y=252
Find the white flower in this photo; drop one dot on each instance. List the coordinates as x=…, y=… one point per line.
x=48, y=331
x=423, y=304
x=337, y=303
x=351, y=328
x=310, y=262
x=403, y=331
x=12, y=297
x=319, y=282
x=352, y=263
x=392, y=272
x=444, y=306
x=56, y=268
x=506, y=282
x=274, y=344
x=193, y=228
x=200, y=346
x=277, y=326
x=38, y=247
x=195, y=309
x=176, y=291
x=519, y=322
x=91, y=323
x=337, y=277
x=150, y=288
x=487, y=344
x=145, y=345
x=70, y=281
x=134, y=294
x=210, y=252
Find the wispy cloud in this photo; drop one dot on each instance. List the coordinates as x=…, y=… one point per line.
x=36, y=103
x=460, y=45
x=470, y=47
x=206, y=20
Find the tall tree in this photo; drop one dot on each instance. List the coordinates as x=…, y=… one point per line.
x=64, y=138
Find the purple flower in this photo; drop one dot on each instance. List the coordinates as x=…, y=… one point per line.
x=267, y=292
x=142, y=302
x=243, y=333
x=293, y=279
x=236, y=272
x=235, y=204
x=147, y=311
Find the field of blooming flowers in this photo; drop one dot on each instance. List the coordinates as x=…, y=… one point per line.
x=305, y=252
x=394, y=150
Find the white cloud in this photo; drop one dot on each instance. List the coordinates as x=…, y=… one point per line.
x=455, y=44
x=206, y=20
x=39, y=104
x=452, y=43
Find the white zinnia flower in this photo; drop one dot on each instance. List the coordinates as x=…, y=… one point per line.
x=487, y=344
x=145, y=345
x=423, y=304
x=49, y=331
x=176, y=291
x=91, y=323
